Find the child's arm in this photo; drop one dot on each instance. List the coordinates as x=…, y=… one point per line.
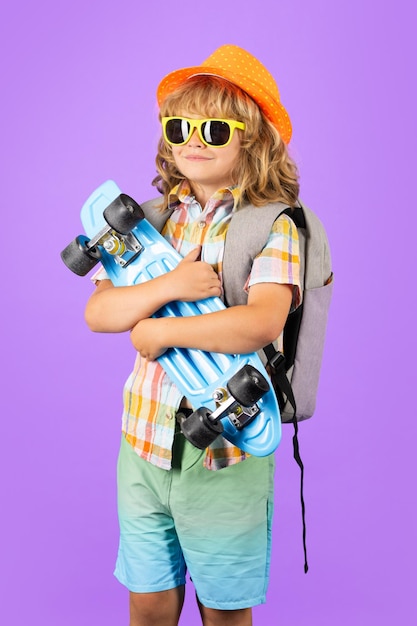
x=117, y=309
x=238, y=329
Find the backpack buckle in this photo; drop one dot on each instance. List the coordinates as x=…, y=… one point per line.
x=277, y=361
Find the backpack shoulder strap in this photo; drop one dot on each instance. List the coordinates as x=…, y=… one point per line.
x=154, y=214
x=247, y=234
x=314, y=245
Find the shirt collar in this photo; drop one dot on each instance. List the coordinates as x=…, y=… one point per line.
x=182, y=194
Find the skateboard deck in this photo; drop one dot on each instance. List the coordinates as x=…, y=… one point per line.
x=205, y=378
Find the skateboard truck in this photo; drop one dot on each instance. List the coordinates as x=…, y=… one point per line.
x=237, y=403
x=123, y=248
x=239, y=415
x=121, y=215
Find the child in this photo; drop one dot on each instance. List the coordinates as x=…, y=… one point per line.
x=223, y=145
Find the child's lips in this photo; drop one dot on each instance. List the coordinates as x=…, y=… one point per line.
x=196, y=157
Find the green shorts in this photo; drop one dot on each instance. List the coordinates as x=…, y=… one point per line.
x=215, y=524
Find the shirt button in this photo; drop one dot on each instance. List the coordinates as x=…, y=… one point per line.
x=201, y=224
x=169, y=416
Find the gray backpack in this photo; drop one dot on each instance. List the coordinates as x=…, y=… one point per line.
x=295, y=375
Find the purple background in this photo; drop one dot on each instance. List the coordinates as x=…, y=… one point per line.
x=78, y=107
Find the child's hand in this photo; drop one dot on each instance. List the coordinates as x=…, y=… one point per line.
x=195, y=280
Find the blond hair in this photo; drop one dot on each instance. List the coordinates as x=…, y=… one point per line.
x=264, y=171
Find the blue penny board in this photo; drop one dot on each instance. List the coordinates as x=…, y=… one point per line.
x=196, y=373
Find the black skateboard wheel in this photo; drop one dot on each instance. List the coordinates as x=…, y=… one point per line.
x=123, y=214
x=248, y=385
x=199, y=429
x=78, y=257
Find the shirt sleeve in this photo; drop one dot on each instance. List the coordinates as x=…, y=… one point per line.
x=100, y=274
x=279, y=261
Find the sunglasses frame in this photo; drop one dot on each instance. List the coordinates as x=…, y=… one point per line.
x=197, y=124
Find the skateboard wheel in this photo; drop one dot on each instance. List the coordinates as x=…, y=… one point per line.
x=78, y=257
x=247, y=386
x=199, y=429
x=123, y=214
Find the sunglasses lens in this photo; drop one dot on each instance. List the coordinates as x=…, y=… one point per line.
x=177, y=130
x=216, y=133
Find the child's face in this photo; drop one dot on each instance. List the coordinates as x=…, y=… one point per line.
x=206, y=168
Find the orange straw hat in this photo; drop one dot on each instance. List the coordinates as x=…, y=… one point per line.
x=244, y=70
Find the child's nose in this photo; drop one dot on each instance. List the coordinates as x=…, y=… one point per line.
x=195, y=140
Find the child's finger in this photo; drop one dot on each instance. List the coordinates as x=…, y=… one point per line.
x=194, y=255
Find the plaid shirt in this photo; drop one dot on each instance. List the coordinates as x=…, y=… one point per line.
x=151, y=400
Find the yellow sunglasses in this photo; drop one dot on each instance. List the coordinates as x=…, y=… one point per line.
x=215, y=133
